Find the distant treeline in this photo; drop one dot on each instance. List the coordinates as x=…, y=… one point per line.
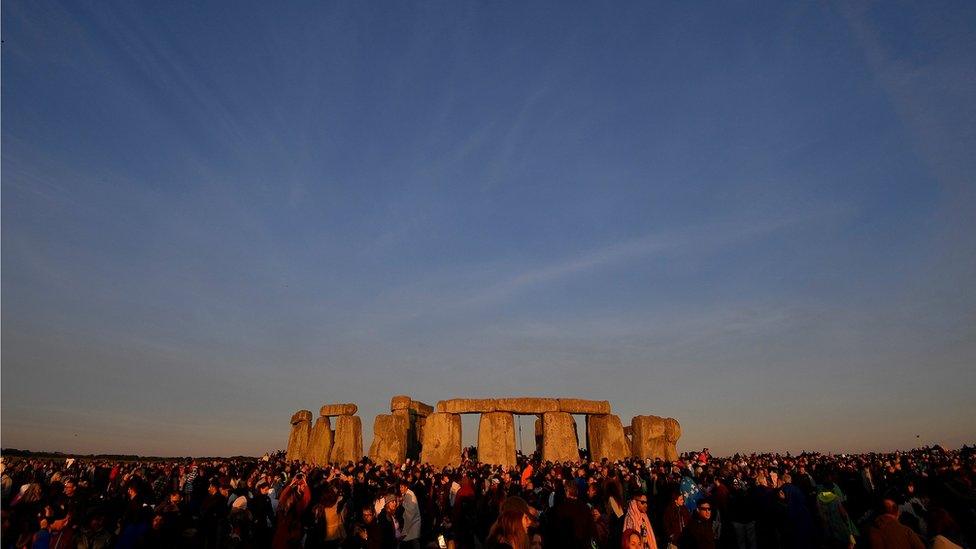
x=14, y=452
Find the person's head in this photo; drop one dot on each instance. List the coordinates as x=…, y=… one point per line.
x=69, y=487
x=404, y=486
x=392, y=502
x=631, y=539
x=96, y=522
x=132, y=491
x=157, y=522
x=678, y=498
x=569, y=488
x=641, y=501
x=889, y=507
x=369, y=515
x=511, y=527
x=175, y=497
x=535, y=539
x=515, y=503
x=704, y=509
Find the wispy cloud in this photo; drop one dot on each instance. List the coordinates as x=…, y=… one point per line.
x=702, y=239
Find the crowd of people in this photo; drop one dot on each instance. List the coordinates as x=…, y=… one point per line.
x=914, y=499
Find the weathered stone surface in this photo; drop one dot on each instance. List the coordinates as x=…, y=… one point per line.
x=320, y=443
x=338, y=410
x=390, y=433
x=672, y=432
x=466, y=405
x=415, y=439
x=606, y=438
x=648, y=437
x=301, y=430
x=400, y=402
x=559, y=441
x=583, y=406
x=538, y=435
x=442, y=440
x=526, y=405
x=403, y=402
x=421, y=409
x=496, y=439
x=629, y=435
x=348, y=443
x=419, y=426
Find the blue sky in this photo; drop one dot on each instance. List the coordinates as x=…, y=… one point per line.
x=756, y=218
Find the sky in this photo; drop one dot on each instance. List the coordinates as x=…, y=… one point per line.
x=757, y=218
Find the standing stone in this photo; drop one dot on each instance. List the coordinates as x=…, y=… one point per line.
x=400, y=402
x=605, y=437
x=496, y=439
x=301, y=430
x=408, y=416
x=390, y=433
x=672, y=432
x=559, y=440
x=421, y=423
x=442, y=440
x=320, y=444
x=348, y=443
x=648, y=433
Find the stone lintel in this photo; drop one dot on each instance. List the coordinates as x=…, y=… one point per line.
x=344, y=409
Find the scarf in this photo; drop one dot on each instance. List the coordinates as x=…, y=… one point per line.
x=638, y=520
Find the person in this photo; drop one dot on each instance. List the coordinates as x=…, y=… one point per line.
x=887, y=533
x=291, y=506
x=135, y=519
x=535, y=538
x=676, y=518
x=614, y=511
x=156, y=536
x=569, y=523
x=95, y=535
x=174, y=515
x=631, y=539
x=743, y=511
x=366, y=532
x=411, y=517
x=333, y=531
x=838, y=532
x=389, y=525
x=637, y=520
x=510, y=531
x=799, y=520
x=700, y=532
x=240, y=521
x=213, y=512
x=262, y=513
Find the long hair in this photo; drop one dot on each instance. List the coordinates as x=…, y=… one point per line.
x=510, y=529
